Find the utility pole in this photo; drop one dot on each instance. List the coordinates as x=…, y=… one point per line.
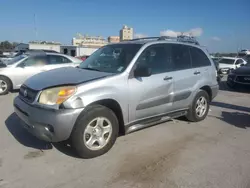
x=35, y=28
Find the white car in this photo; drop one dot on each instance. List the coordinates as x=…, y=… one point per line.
x=229, y=63
x=14, y=72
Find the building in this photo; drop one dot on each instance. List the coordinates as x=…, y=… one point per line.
x=44, y=45
x=89, y=41
x=21, y=47
x=113, y=39
x=76, y=50
x=126, y=33
x=38, y=45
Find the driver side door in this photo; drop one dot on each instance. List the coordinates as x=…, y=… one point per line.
x=152, y=95
x=29, y=67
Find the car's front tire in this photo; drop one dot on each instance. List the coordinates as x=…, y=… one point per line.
x=231, y=85
x=5, y=85
x=95, y=131
x=199, y=107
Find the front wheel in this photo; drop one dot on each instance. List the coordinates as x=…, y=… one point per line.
x=95, y=132
x=5, y=85
x=199, y=108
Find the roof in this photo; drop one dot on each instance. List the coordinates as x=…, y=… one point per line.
x=232, y=58
x=163, y=39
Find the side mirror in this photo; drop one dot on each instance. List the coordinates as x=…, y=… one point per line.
x=142, y=72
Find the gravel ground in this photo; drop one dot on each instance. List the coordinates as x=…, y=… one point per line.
x=212, y=153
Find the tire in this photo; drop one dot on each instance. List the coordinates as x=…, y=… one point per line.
x=80, y=134
x=232, y=86
x=192, y=115
x=5, y=85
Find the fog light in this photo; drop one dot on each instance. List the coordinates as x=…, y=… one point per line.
x=49, y=128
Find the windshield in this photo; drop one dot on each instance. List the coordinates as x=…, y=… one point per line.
x=111, y=58
x=227, y=61
x=247, y=58
x=242, y=54
x=15, y=59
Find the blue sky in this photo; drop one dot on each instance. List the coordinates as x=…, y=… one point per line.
x=221, y=25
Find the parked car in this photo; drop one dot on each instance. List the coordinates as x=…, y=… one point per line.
x=245, y=54
x=14, y=72
x=83, y=58
x=149, y=81
x=226, y=64
x=239, y=77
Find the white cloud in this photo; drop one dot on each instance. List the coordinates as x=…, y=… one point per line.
x=140, y=35
x=196, y=32
x=169, y=33
x=216, y=38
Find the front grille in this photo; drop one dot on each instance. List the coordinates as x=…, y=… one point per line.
x=243, y=79
x=27, y=94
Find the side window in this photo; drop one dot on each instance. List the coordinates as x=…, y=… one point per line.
x=199, y=58
x=181, y=57
x=157, y=57
x=35, y=61
x=57, y=59
x=239, y=61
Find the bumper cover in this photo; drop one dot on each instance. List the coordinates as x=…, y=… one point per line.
x=215, y=90
x=45, y=124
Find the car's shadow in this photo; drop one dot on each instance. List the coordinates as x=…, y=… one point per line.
x=237, y=119
x=14, y=125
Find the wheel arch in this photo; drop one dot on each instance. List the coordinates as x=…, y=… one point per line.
x=208, y=90
x=115, y=107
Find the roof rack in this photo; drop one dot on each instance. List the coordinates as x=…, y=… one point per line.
x=180, y=38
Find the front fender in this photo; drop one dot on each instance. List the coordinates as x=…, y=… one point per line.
x=84, y=98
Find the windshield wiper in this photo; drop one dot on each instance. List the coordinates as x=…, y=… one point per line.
x=87, y=68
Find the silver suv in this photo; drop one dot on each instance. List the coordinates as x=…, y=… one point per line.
x=119, y=89
x=14, y=72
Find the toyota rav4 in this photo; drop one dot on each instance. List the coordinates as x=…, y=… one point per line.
x=119, y=89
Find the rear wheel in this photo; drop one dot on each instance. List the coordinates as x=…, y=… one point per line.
x=199, y=108
x=95, y=132
x=5, y=85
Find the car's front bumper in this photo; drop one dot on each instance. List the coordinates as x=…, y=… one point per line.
x=45, y=124
x=233, y=80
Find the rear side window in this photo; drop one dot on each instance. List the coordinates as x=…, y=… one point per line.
x=199, y=58
x=239, y=61
x=181, y=57
x=57, y=59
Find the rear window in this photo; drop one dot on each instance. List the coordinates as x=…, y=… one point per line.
x=227, y=61
x=199, y=58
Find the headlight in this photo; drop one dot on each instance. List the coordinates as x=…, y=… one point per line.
x=56, y=95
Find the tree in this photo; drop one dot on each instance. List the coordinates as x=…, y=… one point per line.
x=6, y=45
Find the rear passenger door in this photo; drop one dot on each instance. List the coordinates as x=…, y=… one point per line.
x=185, y=77
x=202, y=65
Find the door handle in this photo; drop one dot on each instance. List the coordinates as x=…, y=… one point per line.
x=197, y=72
x=168, y=78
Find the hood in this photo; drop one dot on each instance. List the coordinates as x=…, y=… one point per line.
x=63, y=76
x=245, y=70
